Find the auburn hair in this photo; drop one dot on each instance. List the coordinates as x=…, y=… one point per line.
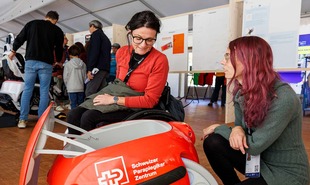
x=258, y=77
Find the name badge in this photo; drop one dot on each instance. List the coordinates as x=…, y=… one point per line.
x=252, y=166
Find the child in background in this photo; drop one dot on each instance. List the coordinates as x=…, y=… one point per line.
x=74, y=76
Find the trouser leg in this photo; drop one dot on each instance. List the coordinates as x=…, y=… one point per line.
x=30, y=78
x=74, y=118
x=97, y=83
x=223, y=159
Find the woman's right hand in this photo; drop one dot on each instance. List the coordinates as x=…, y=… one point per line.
x=209, y=130
x=237, y=139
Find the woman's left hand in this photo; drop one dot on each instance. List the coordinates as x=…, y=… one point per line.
x=209, y=130
x=103, y=99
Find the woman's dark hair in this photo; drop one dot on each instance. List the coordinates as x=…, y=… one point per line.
x=53, y=15
x=74, y=50
x=81, y=46
x=144, y=19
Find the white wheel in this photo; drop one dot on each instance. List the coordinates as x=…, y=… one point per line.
x=198, y=175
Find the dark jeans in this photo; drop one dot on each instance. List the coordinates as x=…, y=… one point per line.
x=224, y=160
x=219, y=82
x=89, y=119
x=97, y=83
x=76, y=99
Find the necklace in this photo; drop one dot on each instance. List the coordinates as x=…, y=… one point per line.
x=137, y=59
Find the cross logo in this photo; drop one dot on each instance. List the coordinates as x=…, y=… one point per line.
x=112, y=172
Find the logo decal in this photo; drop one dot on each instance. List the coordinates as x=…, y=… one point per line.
x=112, y=172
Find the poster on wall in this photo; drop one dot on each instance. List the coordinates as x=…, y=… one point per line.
x=303, y=50
x=210, y=38
x=276, y=21
x=178, y=43
x=172, y=41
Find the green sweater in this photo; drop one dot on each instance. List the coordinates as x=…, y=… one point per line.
x=279, y=141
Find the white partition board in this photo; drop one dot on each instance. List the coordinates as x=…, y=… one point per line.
x=304, y=25
x=172, y=41
x=277, y=21
x=173, y=80
x=80, y=36
x=210, y=38
x=108, y=31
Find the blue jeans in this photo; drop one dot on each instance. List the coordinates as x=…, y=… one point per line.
x=34, y=68
x=76, y=98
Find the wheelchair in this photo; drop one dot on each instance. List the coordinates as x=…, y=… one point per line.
x=141, y=150
x=12, y=82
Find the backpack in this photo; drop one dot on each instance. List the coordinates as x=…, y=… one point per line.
x=171, y=104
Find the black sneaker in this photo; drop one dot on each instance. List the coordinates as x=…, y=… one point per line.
x=210, y=104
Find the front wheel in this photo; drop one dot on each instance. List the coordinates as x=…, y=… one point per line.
x=198, y=174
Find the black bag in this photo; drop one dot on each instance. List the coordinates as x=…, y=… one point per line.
x=171, y=104
x=8, y=120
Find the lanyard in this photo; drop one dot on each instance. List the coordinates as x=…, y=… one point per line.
x=130, y=70
x=248, y=130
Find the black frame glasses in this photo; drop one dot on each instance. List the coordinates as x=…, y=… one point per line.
x=139, y=40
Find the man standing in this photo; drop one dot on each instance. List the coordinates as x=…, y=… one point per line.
x=99, y=57
x=220, y=81
x=43, y=38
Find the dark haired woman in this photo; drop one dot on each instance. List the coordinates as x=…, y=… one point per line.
x=148, y=79
x=268, y=121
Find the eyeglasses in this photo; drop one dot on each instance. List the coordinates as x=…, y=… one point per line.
x=227, y=57
x=139, y=40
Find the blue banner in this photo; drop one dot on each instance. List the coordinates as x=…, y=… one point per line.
x=304, y=40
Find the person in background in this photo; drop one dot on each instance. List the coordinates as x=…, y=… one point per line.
x=74, y=76
x=220, y=81
x=147, y=80
x=112, y=74
x=268, y=122
x=83, y=54
x=98, y=56
x=43, y=39
x=58, y=69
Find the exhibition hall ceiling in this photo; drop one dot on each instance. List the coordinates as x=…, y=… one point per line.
x=76, y=14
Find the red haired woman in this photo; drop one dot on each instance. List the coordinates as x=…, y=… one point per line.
x=266, y=141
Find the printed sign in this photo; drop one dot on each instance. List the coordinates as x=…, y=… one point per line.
x=146, y=169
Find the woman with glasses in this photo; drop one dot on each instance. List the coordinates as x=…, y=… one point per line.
x=143, y=68
x=265, y=142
